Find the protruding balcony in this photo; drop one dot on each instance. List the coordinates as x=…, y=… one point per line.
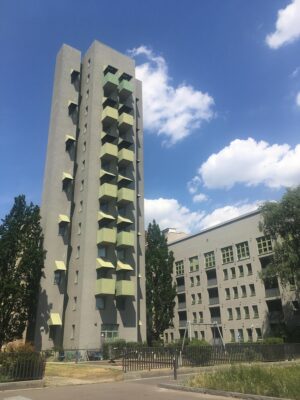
x=60, y=266
x=124, y=179
x=125, y=288
x=108, y=191
x=72, y=107
x=125, y=88
x=122, y=221
x=69, y=141
x=125, y=239
x=108, y=151
x=102, y=216
x=55, y=319
x=106, y=236
x=110, y=82
x=109, y=116
x=66, y=178
x=125, y=195
x=101, y=263
x=105, y=286
x=121, y=266
x=107, y=174
x=63, y=219
x=125, y=121
x=125, y=156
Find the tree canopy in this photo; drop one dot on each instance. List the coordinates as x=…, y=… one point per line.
x=21, y=263
x=281, y=221
x=160, y=290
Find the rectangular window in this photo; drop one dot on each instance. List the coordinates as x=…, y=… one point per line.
x=76, y=277
x=57, y=277
x=83, y=165
x=258, y=333
x=82, y=185
x=227, y=293
x=179, y=267
x=74, y=302
x=84, y=146
x=247, y=313
x=78, y=252
x=227, y=254
x=249, y=269
x=210, y=261
x=250, y=334
x=198, y=280
x=202, y=333
x=201, y=317
x=241, y=271
x=72, y=332
x=230, y=315
x=100, y=303
x=196, y=335
x=264, y=245
x=242, y=250
x=194, y=264
x=255, y=312
x=79, y=228
x=240, y=335
x=194, y=317
x=199, y=298
x=193, y=299
x=192, y=281
x=233, y=274
x=238, y=313
x=244, y=291
x=232, y=335
x=80, y=206
x=172, y=337
x=235, y=292
x=225, y=272
x=252, y=289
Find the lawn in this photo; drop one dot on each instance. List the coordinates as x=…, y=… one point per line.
x=81, y=371
x=277, y=381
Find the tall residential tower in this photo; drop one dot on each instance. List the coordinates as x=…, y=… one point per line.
x=93, y=287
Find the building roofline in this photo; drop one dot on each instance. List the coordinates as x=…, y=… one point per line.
x=228, y=222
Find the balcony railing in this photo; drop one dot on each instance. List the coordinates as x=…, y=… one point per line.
x=216, y=320
x=125, y=156
x=110, y=81
x=273, y=292
x=212, y=282
x=180, y=288
x=125, y=88
x=276, y=316
x=109, y=150
x=182, y=324
x=125, y=239
x=108, y=190
x=214, y=300
x=105, y=287
x=181, y=306
x=109, y=116
x=125, y=195
x=125, y=288
x=125, y=121
x=106, y=236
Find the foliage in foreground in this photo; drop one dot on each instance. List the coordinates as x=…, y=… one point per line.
x=21, y=263
x=267, y=381
x=281, y=221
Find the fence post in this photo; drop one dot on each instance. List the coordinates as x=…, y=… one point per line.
x=175, y=365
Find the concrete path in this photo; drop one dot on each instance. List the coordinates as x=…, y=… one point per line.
x=126, y=390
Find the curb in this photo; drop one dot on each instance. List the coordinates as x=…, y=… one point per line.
x=22, y=385
x=218, y=392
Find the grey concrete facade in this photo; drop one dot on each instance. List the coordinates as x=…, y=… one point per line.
x=219, y=289
x=92, y=207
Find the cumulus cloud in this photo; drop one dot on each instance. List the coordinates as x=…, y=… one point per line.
x=298, y=99
x=194, y=184
x=287, y=26
x=199, y=198
x=252, y=163
x=169, y=213
x=173, y=112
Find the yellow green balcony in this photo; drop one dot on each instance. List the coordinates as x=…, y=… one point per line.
x=121, y=266
x=125, y=121
x=125, y=288
x=125, y=156
x=109, y=116
x=125, y=239
x=110, y=82
x=105, y=286
x=122, y=220
x=102, y=216
x=63, y=219
x=108, y=150
x=106, y=236
x=54, y=319
x=125, y=195
x=107, y=174
x=108, y=191
x=101, y=263
x=125, y=88
x=60, y=266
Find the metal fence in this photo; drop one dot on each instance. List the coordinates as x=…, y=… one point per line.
x=197, y=356
x=21, y=366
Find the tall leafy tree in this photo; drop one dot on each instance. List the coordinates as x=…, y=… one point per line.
x=160, y=290
x=21, y=264
x=281, y=221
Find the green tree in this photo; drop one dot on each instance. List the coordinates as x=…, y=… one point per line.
x=21, y=263
x=281, y=221
x=160, y=290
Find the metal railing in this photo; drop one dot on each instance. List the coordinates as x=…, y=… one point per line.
x=181, y=306
x=180, y=288
x=273, y=292
x=212, y=282
x=21, y=366
x=214, y=300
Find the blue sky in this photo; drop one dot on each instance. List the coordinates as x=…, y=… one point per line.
x=221, y=92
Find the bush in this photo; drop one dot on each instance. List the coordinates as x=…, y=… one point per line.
x=19, y=365
x=273, y=340
x=198, y=352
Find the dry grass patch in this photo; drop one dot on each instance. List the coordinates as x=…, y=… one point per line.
x=81, y=371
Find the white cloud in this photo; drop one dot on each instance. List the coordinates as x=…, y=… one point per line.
x=287, y=26
x=194, y=184
x=295, y=73
x=252, y=163
x=200, y=197
x=169, y=213
x=298, y=99
x=173, y=112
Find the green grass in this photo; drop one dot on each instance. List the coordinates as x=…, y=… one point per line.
x=268, y=381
